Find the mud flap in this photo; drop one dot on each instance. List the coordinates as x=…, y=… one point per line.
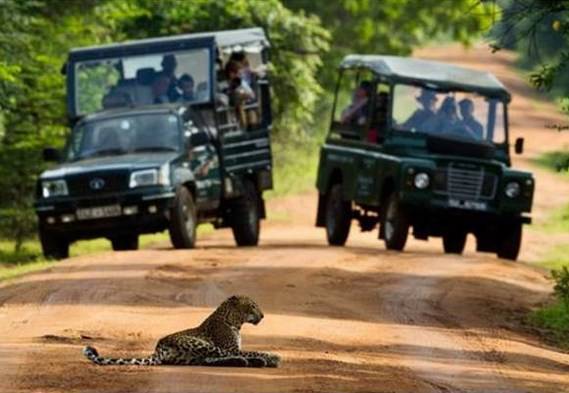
x=321, y=211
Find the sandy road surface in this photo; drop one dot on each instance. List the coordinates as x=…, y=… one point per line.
x=353, y=319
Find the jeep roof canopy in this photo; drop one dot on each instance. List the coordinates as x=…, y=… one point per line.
x=226, y=39
x=426, y=72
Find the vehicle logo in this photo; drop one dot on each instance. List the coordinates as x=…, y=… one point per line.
x=97, y=183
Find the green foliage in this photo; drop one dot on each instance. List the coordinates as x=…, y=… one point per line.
x=539, y=31
x=555, y=320
x=561, y=287
x=393, y=26
x=556, y=160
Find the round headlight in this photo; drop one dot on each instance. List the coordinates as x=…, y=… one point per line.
x=422, y=180
x=512, y=189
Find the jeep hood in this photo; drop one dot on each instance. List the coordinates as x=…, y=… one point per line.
x=128, y=162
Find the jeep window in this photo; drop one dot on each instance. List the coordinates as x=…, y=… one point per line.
x=142, y=80
x=125, y=135
x=352, y=105
x=463, y=114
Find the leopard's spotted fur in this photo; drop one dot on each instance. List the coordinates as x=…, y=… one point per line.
x=216, y=342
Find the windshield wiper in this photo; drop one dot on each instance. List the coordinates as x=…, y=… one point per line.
x=154, y=148
x=105, y=152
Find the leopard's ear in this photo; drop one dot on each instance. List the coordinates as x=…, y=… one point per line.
x=233, y=299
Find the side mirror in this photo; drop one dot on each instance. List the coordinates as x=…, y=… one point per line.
x=199, y=138
x=519, y=147
x=51, y=154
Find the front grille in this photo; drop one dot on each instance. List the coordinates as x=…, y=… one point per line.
x=465, y=183
x=80, y=184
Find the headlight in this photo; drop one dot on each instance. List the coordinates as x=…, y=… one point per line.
x=147, y=177
x=53, y=188
x=421, y=180
x=512, y=189
x=150, y=177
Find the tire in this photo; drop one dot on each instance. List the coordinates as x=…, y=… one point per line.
x=454, y=242
x=510, y=243
x=53, y=246
x=183, y=220
x=338, y=216
x=125, y=243
x=395, y=222
x=245, y=220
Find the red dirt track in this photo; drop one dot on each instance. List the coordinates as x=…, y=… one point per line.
x=351, y=319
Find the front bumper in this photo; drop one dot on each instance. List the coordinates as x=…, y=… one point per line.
x=141, y=211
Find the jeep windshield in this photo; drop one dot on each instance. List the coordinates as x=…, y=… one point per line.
x=159, y=132
x=459, y=114
x=142, y=80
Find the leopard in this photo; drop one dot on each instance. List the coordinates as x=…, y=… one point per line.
x=215, y=342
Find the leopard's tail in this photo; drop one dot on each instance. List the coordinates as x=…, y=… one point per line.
x=92, y=354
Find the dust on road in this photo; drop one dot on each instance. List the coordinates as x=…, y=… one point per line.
x=352, y=319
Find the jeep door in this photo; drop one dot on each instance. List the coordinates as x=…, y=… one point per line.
x=204, y=163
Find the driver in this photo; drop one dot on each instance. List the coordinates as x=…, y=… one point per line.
x=468, y=120
x=427, y=99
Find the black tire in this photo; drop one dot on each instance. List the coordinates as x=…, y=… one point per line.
x=183, y=220
x=338, y=216
x=125, y=242
x=395, y=222
x=454, y=242
x=245, y=220
x=510, y=242
x=53, y=246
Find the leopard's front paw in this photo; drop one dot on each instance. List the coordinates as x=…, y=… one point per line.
x=273, y=360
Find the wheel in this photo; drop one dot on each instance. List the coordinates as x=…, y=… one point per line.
x=454, y=241
x=125, y=242
x=338, y=216
x=183, y=220
x=396, y=224
x=245, y=221
x=510, y=242
x=53, y=246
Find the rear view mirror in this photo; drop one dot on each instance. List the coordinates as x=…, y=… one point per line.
x=199, y=138
x=519, y=147
x=51, y=154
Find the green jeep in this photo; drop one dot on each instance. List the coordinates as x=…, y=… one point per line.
x=162, y=139
x=422, y=144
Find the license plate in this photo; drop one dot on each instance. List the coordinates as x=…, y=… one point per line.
x=92, y=213
x=469, y=205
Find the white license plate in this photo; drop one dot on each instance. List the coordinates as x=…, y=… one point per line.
x=92, y=213
x=470, y=205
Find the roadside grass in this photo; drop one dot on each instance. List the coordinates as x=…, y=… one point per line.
x=30, y=258
x=553, y=318
x=555, y=160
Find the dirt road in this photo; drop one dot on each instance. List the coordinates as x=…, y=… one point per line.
x=352, y=319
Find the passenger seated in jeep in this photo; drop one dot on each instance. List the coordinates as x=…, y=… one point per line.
x=427, y=99
x=186, y=84
x=468, y=120
x=446, y=120
x=238, y=90
x=169, y=65
x=160, y=89
x=356, y=112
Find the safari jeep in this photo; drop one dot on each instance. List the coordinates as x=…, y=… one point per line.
x=422, y=145
x=157, y=143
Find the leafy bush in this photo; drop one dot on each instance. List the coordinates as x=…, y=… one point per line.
x=561, y=287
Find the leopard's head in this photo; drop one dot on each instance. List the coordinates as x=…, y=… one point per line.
x=242, y=309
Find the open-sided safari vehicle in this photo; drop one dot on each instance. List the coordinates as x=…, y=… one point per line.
x=166, y=133
x=422, y=144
